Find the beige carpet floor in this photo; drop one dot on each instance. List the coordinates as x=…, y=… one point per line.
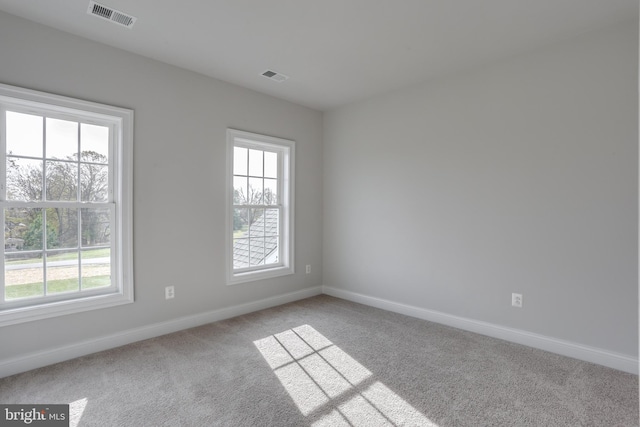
x=329, y=362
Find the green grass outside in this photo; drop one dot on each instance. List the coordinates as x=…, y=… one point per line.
x=86, y=254
x=55, y=286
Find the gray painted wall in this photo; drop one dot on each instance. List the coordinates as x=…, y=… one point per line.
x=518, y=176
x=179, y=148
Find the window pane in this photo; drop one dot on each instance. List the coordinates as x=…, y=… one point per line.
x=271, y=248
x=240, y=223
x=239, y=190
x=255, y=162
x=15, y=226
x=96, y=268
x=255, y=191
x=62, y=273
x=62, y=181
x=23, y=269
x=270, y=164
x=240, y=253
x=93, y=157
x=23, y=229
x=62, y=228
x=256, y=225
x=240, y=160
x=23, y=275
x=271, y=231
x=62, y=139
x=24, y=179
x=271, y=222
x=256, y=250
x=24, y=134
x=95, y=139
x=95, y=227
x=94, y=182
x=270, y=191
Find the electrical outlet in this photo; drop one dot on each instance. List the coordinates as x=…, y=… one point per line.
x=516, y=300
x=169, y=292
x=308, y=268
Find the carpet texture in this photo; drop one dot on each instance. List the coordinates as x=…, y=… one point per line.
x=329, y=362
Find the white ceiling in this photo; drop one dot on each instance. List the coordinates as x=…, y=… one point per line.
x=334, y=51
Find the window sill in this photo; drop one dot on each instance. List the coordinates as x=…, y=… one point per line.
x=252, y=276
x=12, y=316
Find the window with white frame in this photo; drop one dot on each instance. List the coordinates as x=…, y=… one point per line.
x=260, y=200
x=65, y=202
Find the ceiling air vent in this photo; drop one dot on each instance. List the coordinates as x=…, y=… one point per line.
x=111, y=15
x=276, y=77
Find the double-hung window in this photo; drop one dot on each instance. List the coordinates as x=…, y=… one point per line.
x=65, y=202
x=260, y=201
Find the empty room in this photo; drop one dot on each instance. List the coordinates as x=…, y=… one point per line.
x=339, y=213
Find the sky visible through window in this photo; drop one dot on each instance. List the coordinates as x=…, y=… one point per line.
x=25, y=136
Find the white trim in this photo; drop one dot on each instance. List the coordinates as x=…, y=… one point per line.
x=121, y=194
x=286, y=149
x=29, y=98
x=565, y=348
x=28, y=313
x=43, y=358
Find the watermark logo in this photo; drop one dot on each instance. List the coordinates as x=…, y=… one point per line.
x=34, y=415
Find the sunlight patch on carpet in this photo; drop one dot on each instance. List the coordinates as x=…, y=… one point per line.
x=76, y=409
x=324, y=381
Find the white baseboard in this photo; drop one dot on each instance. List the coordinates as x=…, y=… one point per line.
x=590, y=354
x=566, y=348
x=60, y=354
